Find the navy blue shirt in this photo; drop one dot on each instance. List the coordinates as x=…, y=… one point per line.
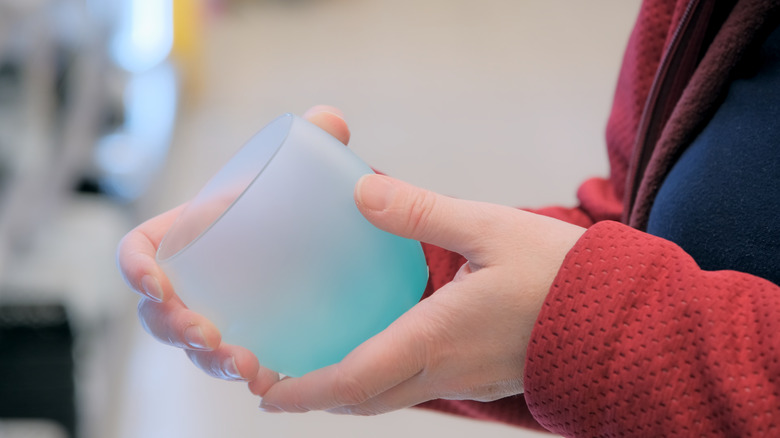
x=721, y=200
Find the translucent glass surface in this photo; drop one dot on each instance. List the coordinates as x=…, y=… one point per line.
x=274, y=251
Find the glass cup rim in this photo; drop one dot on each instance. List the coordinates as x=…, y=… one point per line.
x=290, y=119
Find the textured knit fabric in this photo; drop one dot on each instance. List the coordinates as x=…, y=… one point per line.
x=721, y=200
x=634, y=338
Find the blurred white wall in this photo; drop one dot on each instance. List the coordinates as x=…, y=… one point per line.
x=497, y=100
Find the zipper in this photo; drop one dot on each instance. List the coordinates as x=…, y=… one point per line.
x=677, y=65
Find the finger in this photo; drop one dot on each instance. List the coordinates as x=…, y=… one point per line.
x=331, y=119
x=172, y=323
x=461, y=226
x=406, y=394
x=231, y=362
x=264, y=379
x=136, y=257
x=379, y=364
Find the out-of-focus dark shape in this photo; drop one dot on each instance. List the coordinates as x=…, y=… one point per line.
x=37, y=365
x=88, y=101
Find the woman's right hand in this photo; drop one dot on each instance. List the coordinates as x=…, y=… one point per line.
x=163, y=314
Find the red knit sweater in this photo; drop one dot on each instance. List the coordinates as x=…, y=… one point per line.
x=634, y=339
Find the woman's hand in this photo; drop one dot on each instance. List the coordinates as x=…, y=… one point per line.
x=167, y=318
x=469, y=339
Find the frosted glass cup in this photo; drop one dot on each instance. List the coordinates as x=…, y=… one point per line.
x=274, y=251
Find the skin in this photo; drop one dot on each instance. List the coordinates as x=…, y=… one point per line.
x=467, y=341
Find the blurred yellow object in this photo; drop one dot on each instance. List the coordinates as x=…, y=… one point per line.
x=187, y=50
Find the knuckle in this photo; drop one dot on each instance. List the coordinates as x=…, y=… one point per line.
x=133, y=267
x=144, y=310
x=496, y=390
x=206, y=362
x=349, y=391
x=488, y=395
x=420, y=212
x=157, y=323
x=197, y=359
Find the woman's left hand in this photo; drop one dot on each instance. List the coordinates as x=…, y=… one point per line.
x=469, y=339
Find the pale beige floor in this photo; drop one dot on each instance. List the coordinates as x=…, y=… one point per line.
x=497, y=100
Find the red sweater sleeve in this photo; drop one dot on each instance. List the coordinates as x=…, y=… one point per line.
x=635, y=339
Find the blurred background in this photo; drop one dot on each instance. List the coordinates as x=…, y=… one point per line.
x=112, y=111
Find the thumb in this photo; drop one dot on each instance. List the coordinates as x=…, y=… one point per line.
x=408, y=211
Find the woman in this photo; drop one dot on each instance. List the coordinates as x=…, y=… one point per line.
x=652, y=308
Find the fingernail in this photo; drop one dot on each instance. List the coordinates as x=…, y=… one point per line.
x=323, y=109
x=230, y=370
x=268, y=407
x=193, y=336
x=152, y=288
x=375, y=192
